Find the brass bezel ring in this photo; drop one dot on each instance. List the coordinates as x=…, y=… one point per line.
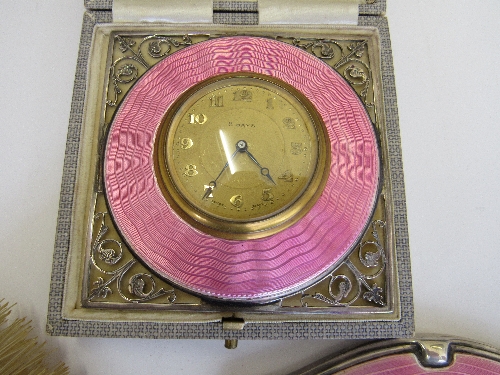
x=253, y=228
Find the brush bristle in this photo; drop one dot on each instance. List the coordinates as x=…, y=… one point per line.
x=19, y=352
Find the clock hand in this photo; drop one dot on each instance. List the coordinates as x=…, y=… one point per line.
x=212, y=184
x=263, y=170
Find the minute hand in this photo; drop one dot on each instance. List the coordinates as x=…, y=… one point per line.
x=212, y=184
x=263, y=170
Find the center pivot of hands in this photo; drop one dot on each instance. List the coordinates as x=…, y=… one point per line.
x=241, y=146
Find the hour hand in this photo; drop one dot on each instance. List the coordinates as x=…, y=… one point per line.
x=263, y=170
x=212, y=184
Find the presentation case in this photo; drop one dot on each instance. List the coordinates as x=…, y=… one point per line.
x=103, y=283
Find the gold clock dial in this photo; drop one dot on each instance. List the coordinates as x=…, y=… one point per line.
x=242, y=156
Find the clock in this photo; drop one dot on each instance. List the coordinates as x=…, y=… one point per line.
x=242, y=169
x=242, y=155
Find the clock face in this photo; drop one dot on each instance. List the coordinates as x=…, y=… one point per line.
x=242, y=156
x=241, y=169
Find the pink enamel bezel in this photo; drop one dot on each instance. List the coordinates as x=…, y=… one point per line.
x=408, y=364
x=260, y=270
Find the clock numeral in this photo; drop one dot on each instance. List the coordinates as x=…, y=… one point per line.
x=186, y=143
x=267, y=195
x=236, y=201
x=270, y=103
x=208, y=191
x=199, y=119
x=289, y=123
x=243, y=95
x=297, y=148
x=190, y=170
x=286, y=176
x=217, y=101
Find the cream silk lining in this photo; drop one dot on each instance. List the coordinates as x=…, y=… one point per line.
x=315, y=12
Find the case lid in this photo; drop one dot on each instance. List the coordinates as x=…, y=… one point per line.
x=240, y=12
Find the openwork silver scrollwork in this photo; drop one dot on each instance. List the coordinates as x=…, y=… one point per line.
x=323, y=49
x=121, y=75
x=125, y=69
x=160, y=46
x=346, y=59
x=341, y=285
x=141, y=287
